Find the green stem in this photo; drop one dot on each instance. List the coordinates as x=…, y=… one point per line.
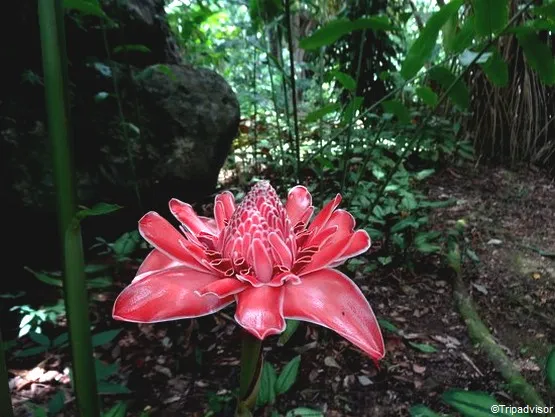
x=250, y=358
x=51, y=20
x=5, y=399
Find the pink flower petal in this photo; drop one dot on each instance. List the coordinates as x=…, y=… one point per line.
x=168, y=295
x=359, y=243
x=298, y=202
x=281, y=250
x=186, y=215
x=163, y=236
x=323, y=216
x=261, y=261
x=155, y=261
x=223, y=288
x=330, y=299
x=259, y=311
x=228, y=205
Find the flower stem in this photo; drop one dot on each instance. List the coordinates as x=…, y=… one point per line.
x=250, y=358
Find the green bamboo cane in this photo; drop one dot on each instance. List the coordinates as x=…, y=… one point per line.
x=5, y=399
x=51, y=20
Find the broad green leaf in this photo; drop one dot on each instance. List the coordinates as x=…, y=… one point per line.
x=304, y=412
x=550, y=369
x=105, y=370
x=475, y=404
x=423, y=347
x=118, y=410
x=387, y=325
x=91, y=8
x=496, y=69
x=538, y=55
x=421, y=50
x=425, y=173
x=458, y=92
x=547, y=10
x=335, y=29
x=56, y=403
x=427, y=95
x=39, y=411
x=102, y=338
x=99, y=282
x=290, y=329
x=97, y=210
x=421, y=410
x=47, y=279
x=288, y=375
x=267, y=389
x=131, y=48
x=490, y=16
x=60, y=340
x=463, y=39
x=321, y=112
x=36, y=350
x=346, y=80
x=398, y=109
x=39, y=338
x=449, y=32
x=404, y=224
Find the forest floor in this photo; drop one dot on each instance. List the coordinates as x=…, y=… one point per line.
x=189, y=368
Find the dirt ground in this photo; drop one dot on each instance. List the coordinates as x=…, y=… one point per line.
x=186, y=369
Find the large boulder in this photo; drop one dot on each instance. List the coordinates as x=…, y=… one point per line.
x=146, y=127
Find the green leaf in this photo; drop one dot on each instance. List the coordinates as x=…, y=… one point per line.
x=547, y=10
x=131, y=48
x=425, y=173
x=101, y=96
x=321, y=112
x=387, y=325
x=111, y=388
x=458, y=93
x=304, y=412
x=60, y=340
x=99, y=282
x=288, y=375
x=346, y=80
x=421, y=50
x=463, y=39
x=490, y=16
x=36, y=350
x=421, y=410
x=290, y=329
x=538, y=55
x=427, y=95
x=398, y=109
x=496, y=69
x=102, y=338
x=47, y=279
x=97, y=210
x=475, y=404
x=550, y=369
x=404, y=224
x=104, y=370
x=39, y=338
x=38, y=411
x=351, y=109
x=118, y=410
x=267, y=390
x=423, y=347
x=90, y=8
x=56, y=403
x=335, y=29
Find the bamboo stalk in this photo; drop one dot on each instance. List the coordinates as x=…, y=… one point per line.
x=56, y=91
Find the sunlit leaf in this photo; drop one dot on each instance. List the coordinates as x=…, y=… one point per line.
x=421, y=50
x=304, y=412
x=321, y=112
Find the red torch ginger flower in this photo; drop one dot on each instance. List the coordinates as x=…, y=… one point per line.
x=266, y=257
